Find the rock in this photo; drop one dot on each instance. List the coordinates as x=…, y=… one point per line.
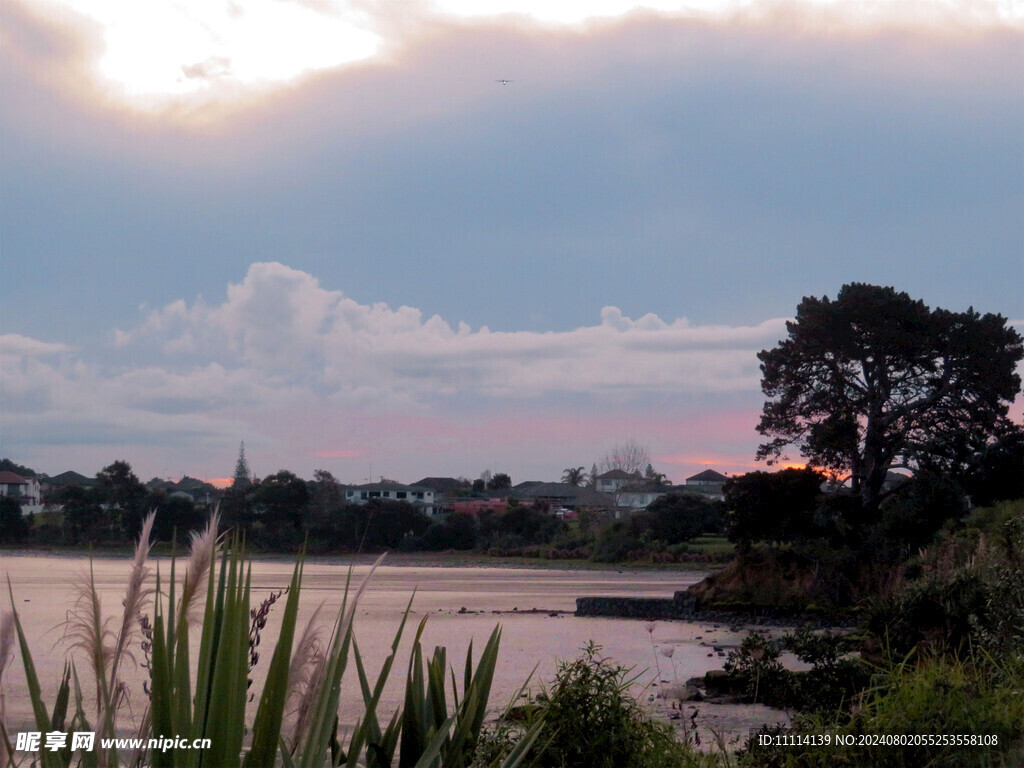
x=690, y=693
x=719, y=682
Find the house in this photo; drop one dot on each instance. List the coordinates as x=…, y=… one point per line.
x=446, y=491
x=564, y=496
x=419, y=496
x=708, y=483
x=615, y=479
x=25, y=490
x=637, y=496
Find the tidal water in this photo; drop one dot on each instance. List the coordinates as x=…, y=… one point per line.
x=43, y=594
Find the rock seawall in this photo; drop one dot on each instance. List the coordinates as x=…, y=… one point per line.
x=682, y=605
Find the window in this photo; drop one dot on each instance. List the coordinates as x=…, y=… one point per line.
x=400, y=494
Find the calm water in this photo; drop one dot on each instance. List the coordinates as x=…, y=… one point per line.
x=42, y=596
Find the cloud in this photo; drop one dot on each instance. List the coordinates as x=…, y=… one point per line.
x=308, y=366
x=280, y=325
x=17, y=346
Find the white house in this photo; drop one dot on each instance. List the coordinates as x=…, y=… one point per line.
x=639, y=495
x=614, y=480
x=418, y=495
x=23, y=489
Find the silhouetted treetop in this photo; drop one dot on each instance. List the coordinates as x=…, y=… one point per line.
x=875, y=379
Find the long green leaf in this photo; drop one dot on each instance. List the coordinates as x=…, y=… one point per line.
x=313, y=751
x=228, y=689
x=267, y=726
x=89, y=758
x=47, y=759
x=432, y=750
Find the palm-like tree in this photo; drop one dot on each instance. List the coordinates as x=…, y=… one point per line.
x=574, y=476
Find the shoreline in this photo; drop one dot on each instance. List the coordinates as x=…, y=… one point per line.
x=445, y=559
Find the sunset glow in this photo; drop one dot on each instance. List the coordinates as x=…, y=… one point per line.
x=191, y=46
x=154, y=53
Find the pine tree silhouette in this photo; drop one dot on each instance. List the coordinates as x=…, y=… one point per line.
x=243, y=478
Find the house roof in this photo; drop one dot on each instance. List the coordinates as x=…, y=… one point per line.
x=11, y=478
x=644, y=486
x=618, y=474
x=442, y=484
x=576, y=494
x=526, y=484
x=389, y=485
x=708, y=476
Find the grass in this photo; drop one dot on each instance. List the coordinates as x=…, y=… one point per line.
x=712, y=544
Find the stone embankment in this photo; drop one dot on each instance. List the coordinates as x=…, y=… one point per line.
x=684, y=606
x=681, y=605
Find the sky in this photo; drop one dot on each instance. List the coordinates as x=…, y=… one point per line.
x=436, y=238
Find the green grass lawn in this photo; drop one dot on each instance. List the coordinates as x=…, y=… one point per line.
x=712, y=544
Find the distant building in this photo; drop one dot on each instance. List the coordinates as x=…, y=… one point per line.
x=640, y=495
x=419, y=496
x=615, y=479
x=444, y=484
x=24, y=490
x=708, y=483
x=446, y=490
x=564, y=496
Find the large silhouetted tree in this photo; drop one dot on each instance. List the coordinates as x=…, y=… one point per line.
x=772, y=506
x=875, y=379
x=124, y=496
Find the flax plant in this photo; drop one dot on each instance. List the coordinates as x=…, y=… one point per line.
x=207, y=697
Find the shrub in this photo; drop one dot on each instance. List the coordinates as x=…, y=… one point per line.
x=968, y=594
x=590, y=720
x=933, y=695
x=835, y=678
x=756, y=664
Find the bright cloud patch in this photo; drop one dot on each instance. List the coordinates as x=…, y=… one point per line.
x=279, y=325
x=157, y=51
